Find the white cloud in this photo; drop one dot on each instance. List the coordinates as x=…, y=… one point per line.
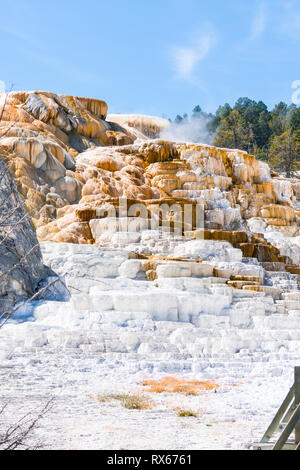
x=259, y=22
x=187, y=58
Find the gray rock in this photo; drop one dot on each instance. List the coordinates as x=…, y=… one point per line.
x=21, y=265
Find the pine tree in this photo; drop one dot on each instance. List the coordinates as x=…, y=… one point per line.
x=285, y=152
x=234, y=132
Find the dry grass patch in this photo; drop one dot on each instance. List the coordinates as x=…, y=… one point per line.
x=186, y=414
x=131, y=402
x=136, y=402
x=175, y=385
x=111, y=397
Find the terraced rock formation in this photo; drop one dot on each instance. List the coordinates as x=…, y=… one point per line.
x=180, y=259
x=224, y=306
x=40, y=135
x=72, y=166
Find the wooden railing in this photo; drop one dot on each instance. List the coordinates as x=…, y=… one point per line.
x=286, y=420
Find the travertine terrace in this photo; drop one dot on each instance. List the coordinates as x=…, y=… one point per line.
x=68, y=161
x=215, y=295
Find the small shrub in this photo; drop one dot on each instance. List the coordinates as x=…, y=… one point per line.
x=111, y=396
x=131, y=402
x=186, y=414
x=135, y=402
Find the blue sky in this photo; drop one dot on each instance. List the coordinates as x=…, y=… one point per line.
x=161, y=57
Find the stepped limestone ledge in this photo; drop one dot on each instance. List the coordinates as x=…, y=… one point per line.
x=215, y=296
x=141, y=125
x=119, y=329
x=244, y=202
x=72, y=163
x=219, y=306
x=41, y=134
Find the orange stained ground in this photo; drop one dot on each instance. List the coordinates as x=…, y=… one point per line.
x=176, y=385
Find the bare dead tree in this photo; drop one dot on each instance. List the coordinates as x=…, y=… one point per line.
x=2, y=114
x=19, y=248
x=4, y=317
x=20, y=435
x=14, y=222
x=12, y=217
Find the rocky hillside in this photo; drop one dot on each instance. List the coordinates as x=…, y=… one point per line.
x=180, y=259
x=70, y=164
